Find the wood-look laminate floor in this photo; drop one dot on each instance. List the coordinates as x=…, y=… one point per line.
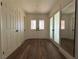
x=37, y=49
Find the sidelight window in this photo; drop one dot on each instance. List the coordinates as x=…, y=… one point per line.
x=33, y=24
x=41, y=24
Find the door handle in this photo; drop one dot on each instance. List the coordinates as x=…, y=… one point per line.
x=17, y=30
x=37, y=29
x=52, y=29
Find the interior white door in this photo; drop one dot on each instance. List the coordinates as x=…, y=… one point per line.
x=57, y=27
x=51, y=28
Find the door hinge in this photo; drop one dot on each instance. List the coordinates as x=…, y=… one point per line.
x=1, y=3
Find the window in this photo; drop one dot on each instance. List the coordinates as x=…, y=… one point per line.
x=41, y=24
x=33, y=24
x=62, y=24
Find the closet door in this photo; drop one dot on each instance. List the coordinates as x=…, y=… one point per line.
x=57, y=27
x=52, y=27
x=18, y=27
x=4, y=41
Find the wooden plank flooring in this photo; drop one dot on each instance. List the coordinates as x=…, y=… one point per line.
x=37, y=49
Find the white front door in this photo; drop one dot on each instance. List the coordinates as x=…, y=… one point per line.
x=37, y=30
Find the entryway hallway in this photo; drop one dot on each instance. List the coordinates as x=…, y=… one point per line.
x=37, y=49
x=38, y=29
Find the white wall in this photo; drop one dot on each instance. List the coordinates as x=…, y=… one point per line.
x=12, y=20
x=36, y=34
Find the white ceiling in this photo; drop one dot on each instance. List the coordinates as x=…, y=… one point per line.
x=34, y=6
